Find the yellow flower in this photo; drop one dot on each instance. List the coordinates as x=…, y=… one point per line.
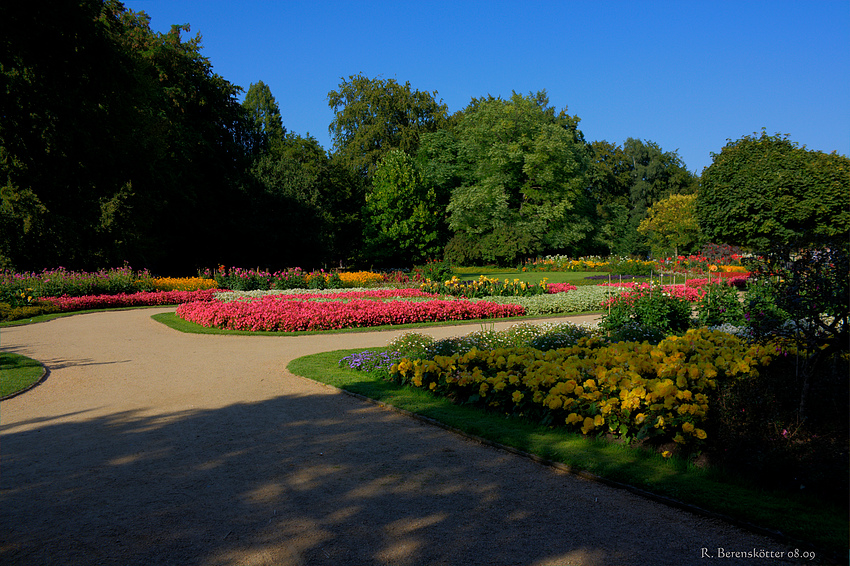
x=666, y=454
x=517, y=396
x=700, y=434
x=688, y=427
x=573, y=418
x=433, y=386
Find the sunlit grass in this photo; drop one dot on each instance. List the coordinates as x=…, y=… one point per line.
x=17, y=372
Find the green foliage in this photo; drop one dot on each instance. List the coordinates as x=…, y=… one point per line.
x=720, y=305
x=264, y=119
x=401, y=217
x=651, y=309
x=518, y=175
x=109, y=137
x=625, y=182
x=763, y=190
x=433, y=270
x=671, y=224
x=373, y=116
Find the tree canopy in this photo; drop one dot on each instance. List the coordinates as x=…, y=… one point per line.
x=671, y=224
x=624, y=183
x=374, y=115
x=118, y=143
x=762, y=190
x=520, y=169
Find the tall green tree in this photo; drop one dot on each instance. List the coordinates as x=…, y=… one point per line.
x=402, y=217
x=671, y=224
x=264, y=120
x=764, y=190
x=522, y=172
x=625, y=182
x=117, y=142
x=374, y=115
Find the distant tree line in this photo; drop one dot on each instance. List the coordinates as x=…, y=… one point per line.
x=119, y=143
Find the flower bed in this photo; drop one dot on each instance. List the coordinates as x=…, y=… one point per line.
x=484, y=287
x=686, y=292
x=582, y=299
x=626, y=389
x=553, y=288
x=147, y=298
x=291, y=313
x=183, y=283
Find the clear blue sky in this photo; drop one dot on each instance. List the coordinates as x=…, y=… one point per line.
x=685, y=74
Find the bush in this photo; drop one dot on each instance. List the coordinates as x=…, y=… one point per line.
x=9, y=313
x=437, y=271
x=720, y=305
x=649, y=309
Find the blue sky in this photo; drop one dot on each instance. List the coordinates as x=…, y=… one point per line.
x=687, y=75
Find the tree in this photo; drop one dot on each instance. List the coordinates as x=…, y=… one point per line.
x=765, y=190
x=264, y=117
x=373, y=116
x=625, y=182
x=401, y=217
x=671, y=223
x=522, y=171
x=118, y=143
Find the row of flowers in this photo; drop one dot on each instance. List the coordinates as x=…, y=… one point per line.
x=293, y=313
x=141, y=299
x=491, y=287
x=625, y=389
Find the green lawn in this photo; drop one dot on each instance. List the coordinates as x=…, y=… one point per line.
x=798, y=516
x=17, y=373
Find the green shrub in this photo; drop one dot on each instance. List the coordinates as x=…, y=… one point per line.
x=649, y=309
x=720, y=305
x=9, y=313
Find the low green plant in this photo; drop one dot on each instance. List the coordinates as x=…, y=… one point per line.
x=433, y=270
x=9, y=313
x=720, y=305
x=649, y=309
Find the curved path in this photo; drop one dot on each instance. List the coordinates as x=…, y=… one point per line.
x=148, y=446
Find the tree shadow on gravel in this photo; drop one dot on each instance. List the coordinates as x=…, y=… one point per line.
x=307, y=479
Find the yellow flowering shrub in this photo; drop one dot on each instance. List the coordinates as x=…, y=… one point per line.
x=627, y=389
x=183, y=283
x=361, y=279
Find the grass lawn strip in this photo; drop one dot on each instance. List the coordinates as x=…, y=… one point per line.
x=18, y=374
x=791, y=518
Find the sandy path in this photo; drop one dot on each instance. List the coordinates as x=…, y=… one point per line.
x=148, y=446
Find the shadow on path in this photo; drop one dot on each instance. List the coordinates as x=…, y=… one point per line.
x=308, y=479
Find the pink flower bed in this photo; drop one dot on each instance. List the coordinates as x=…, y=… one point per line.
x=553, y=288
x=684, y=291
x=273, y=313
x=141, y=299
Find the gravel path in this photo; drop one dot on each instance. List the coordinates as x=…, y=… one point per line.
x=148, y=446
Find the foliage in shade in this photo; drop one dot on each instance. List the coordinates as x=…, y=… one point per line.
x=763, y=190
